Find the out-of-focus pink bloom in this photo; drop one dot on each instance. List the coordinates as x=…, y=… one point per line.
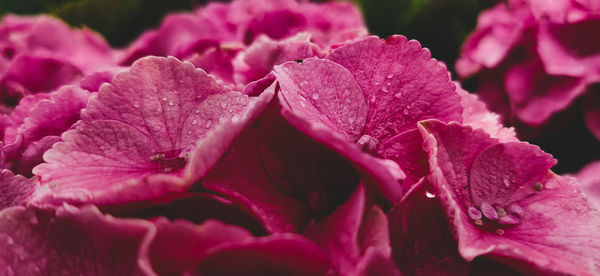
x=40, y=54
x=531, y=58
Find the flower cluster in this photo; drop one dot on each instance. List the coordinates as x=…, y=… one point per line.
x=265, y=137
x=533, y=61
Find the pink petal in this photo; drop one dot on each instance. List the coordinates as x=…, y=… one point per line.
x=564, y=52
x=261, y=172
x=38, y=117
x=476, y=115
x=259, y=58
x=401, y=84
x=496, y=164
x=498, y=30
x=556, y=229
x=72, y=241
x=278, y=254
x=421, y=239
x=15, y=189
x=338, y=233
x=180, y=245
x=323, y=92
x=138, y=130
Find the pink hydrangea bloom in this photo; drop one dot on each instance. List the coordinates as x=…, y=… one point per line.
x=40, y=54
x=240, y=42
x=141, y=131
x=381, y=89
x=531, y=58
x=523, y=217
x=37, y=123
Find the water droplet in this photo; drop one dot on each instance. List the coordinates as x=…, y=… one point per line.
x=164, y=99
x=136, y=104
x=384, y=89
x=170, y=103
x=157, y=127
x=197, y=111
x=405, y=112
x=398, y=94
x=194, y=122
x=223, y=104
x=208, y=124
x=499, y=231
x=315, y=96
x=390, y=75
x=429, y=195
x=235, y=118
x=376, y=83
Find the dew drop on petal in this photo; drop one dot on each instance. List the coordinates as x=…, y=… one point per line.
x=164, y=99
x=315, y=96
x=208, y=124
x=384, y=89
x=429, y=195
x=390, y=75
x=136, y=104
x=194, y=122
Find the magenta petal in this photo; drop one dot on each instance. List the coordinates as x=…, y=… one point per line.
x=589, y=178
x=421, y=239
x=556, y=228
x=180, y=245
x=496, y=164
x=534, y=95
x=278, y=254
x=259, y=58
x=477, y=115
x=32, y=74
x=15, y=189
x=139, y=130
x=39, y=117
x=401, y=84
x=564, y=51
x=498, y=30
x=71, y=241
x=405, y=149
x=338, y=233
x=262, y=172
x=324, y=92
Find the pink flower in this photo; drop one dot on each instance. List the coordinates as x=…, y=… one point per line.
x=40, y=54
x=142, y=131
x=532, y=61
x=502, y=201
x=241, y=41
